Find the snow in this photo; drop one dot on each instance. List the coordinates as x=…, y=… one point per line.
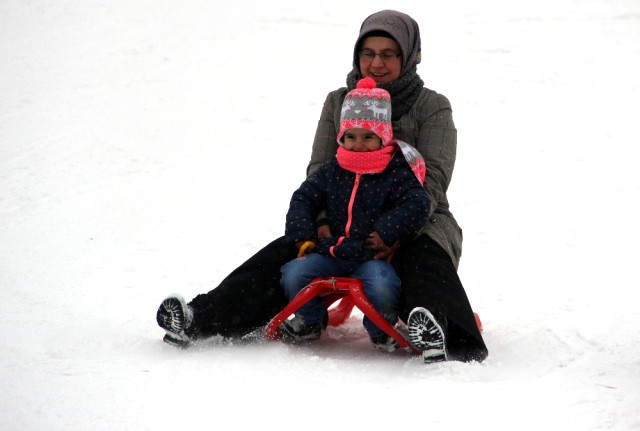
x=151, y=147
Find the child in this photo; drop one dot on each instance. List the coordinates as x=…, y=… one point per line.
x=373, y=196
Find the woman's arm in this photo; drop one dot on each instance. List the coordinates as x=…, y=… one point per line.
x=324, y=142
x=434, y=135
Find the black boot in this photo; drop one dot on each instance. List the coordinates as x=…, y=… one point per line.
x=426, y=334
x=175, y=317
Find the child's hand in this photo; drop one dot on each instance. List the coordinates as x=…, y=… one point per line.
x=305, y=247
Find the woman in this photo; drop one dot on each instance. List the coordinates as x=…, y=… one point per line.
x=388, y=50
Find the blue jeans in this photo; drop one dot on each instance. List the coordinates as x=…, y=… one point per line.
x=380, y=282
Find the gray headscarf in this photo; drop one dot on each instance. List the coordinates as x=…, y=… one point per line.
x=405, y=31
x=401, y=27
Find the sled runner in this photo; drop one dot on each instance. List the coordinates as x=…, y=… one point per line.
x=350, y=293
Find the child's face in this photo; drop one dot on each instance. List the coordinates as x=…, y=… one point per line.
x=361, y=140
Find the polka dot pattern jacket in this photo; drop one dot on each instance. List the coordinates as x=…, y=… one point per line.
x=391, y=203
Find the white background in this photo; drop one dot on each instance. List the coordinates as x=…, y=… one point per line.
x=150, y=147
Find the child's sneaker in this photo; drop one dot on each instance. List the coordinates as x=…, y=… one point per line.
x=427, y=335
x=385, y=343
x=296, y=330
x=175, y=317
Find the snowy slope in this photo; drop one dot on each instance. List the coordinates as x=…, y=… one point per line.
x=150, y=147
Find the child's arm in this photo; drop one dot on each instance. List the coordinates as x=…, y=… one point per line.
x=305, y=204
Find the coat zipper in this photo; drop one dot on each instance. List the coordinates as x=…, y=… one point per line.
x=347, y=228
x=356, y=183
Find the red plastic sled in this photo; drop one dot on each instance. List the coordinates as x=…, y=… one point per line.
x=350, y=293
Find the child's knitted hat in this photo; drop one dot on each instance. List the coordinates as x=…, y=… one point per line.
x=367, y=107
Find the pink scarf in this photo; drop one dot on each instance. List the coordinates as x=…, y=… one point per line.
x=365, y=162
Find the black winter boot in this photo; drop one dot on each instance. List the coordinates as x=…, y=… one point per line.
x=175, y=317
x=426, y=334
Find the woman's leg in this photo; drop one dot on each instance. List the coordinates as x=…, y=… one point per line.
x=248, y=298
x=381, y=286
x=430, y=280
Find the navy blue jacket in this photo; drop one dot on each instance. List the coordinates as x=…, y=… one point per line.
x=392, y=203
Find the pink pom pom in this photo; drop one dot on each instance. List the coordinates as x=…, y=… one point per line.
x=367, y=82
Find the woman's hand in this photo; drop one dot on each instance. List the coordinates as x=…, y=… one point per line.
x=324, y=231
x=375, y=243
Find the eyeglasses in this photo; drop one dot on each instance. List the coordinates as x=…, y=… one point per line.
x=370, y=55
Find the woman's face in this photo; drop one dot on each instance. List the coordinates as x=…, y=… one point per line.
x=380, y=58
